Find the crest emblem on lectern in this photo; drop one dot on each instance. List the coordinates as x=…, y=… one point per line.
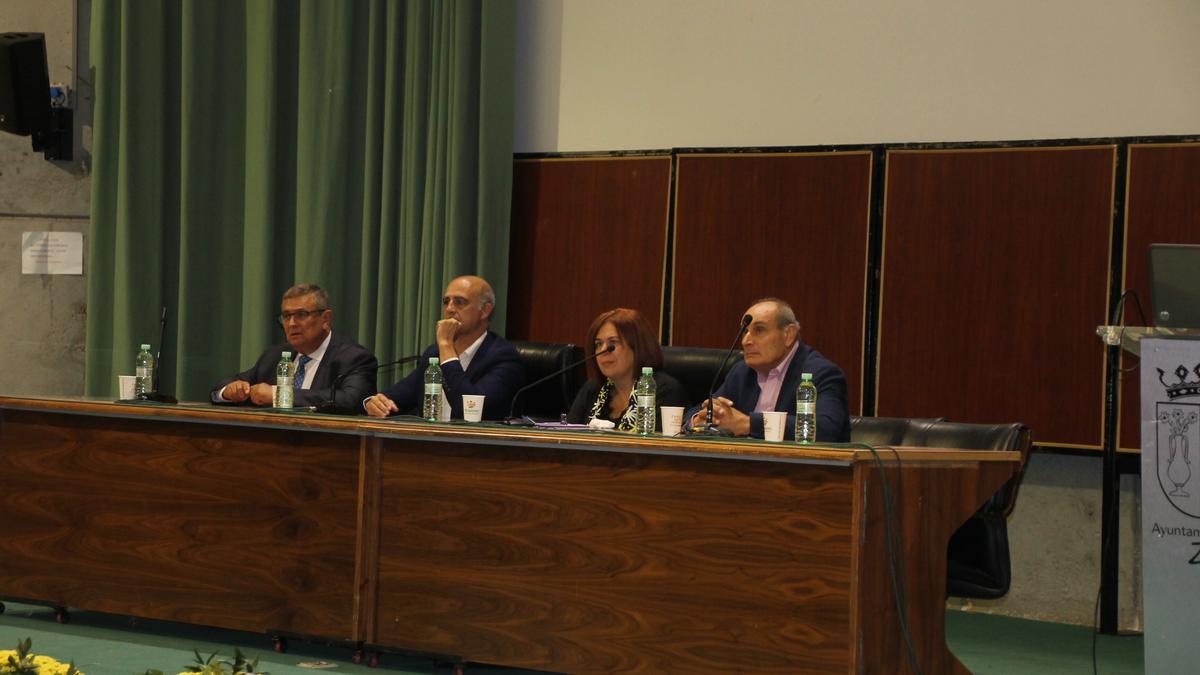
x=1178, y=448
x=1178, y=428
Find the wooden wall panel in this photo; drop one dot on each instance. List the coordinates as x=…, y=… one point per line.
x=787, y=225
x=1162, y=205
x=587, y=235
x=995, y=275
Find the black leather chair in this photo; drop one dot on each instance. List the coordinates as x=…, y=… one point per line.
x=877, y=431
x=548, y=400
x=695, y=367
x=978, y=563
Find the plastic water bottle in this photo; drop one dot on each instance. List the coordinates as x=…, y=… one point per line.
x=644, y=394
x=806, y=410
x=143, y=372
x=284, y=392
x=431, y=404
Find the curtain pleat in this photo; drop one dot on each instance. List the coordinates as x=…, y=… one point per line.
x=240, y=148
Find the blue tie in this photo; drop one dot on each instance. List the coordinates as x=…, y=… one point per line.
x=299, y=378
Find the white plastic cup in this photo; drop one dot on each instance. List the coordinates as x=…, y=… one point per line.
x=473, y=407
x=126, y=386
x=672, y=419
x=773, y=423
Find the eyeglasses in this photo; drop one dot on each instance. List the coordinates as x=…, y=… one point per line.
x=301, y=315
x=606, y=345
x=458, y=301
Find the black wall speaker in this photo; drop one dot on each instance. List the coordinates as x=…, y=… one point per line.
x=24, y=84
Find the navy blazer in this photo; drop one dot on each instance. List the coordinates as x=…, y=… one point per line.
x=496, y=372
x=833, y=411
x=344, y=358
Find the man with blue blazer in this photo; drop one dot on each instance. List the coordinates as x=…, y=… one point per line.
x=768, y=377
x=474, y=360
x=331, y=371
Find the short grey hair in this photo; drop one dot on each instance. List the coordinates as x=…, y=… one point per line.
x=784, y=316
x=301, y=290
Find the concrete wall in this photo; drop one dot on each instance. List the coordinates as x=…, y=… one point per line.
x=42, y=333
x=632, y=74
x=636, y=74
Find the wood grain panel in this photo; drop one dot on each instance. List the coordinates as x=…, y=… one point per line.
x=792, y=226
x=928, y=508
x=588, y=235
x=1162, y=206
x=610, y=562
x=995, y=275
x=180, y=522
x=570, y=552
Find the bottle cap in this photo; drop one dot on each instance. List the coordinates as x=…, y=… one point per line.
x=145, y=348
x=805, y=376
x=647, y=370
x=286, y=355
x=433, y=360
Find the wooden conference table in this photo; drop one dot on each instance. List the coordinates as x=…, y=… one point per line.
x=556, y=550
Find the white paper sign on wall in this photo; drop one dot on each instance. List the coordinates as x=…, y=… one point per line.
x=51, y=253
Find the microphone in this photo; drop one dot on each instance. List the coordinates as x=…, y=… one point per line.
x=330, y=406
x=710, y=429
x=515, y=421
x=155, y=395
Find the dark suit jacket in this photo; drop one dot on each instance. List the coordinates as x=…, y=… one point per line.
x=496, y=372
x=668, y=391
x=344, y=358
x=833, y=412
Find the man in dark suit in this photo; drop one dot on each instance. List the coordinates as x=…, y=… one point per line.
x=474, y=360
x=324, y=360
x=768, y=377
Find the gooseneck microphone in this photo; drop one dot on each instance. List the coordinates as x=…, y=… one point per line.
x=710, y=429
x=331, y=406
x=155, y=394
x=515, y=421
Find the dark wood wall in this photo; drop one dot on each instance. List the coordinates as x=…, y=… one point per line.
x=588, y=235
x=792, y=226
x=1162, y=205
x=958, y=282
x=995, y=275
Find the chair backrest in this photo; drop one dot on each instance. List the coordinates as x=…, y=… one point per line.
x=548, y=400
x=978, y=564
x=695, y=367
x=875, y=431
x=941, y=434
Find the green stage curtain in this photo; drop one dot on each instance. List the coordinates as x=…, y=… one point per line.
x=240, y=147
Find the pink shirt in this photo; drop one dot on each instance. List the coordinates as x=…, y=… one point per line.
x=770, y=384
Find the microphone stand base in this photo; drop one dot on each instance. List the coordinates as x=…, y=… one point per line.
x=520, y=422
x=710, y=430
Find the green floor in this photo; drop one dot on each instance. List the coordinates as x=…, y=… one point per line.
x=103, y=644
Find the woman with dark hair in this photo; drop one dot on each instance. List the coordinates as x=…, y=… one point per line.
x=608, y=393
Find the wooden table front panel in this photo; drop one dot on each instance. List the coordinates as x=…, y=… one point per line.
x=250, y=529
x=610, y=562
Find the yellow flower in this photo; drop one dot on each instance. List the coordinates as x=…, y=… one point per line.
x=44, y=664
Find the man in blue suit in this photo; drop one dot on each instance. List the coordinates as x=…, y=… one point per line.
x=331, y=370
x=768, y=377
x=474, y=360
